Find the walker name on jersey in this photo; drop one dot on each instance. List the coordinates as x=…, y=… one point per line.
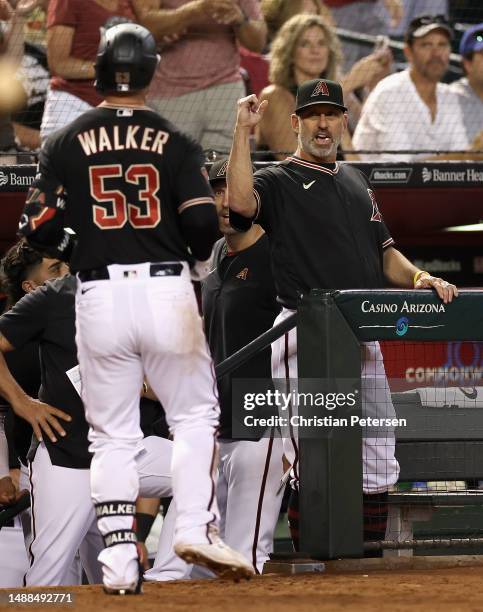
x=112, y=138
x=13, y=179
x=368, y=306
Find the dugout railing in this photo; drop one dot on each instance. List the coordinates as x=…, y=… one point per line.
x=442, y=445
x=331, y=328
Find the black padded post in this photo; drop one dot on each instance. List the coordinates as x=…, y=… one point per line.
x=331, y=523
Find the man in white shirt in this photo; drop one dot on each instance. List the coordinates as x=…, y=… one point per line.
x=470, y=88
x=411, y=113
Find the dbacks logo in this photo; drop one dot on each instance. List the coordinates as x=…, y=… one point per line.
x=223, y=169
x=376, y=215
x=321, y=88
x=243, y=274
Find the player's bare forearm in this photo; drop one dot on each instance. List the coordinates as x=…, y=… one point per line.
x=252, y=35
x=402, y=273
x=398, y=270
x=240, y=174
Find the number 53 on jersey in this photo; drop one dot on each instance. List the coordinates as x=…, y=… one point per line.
x=113, y=210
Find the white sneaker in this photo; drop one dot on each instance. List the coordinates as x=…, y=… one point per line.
x=218, y=557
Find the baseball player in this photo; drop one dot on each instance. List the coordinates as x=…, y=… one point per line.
x=239, y=303
x=325, y=231
x=63, y=515
x=134, y=190
x=22, y=270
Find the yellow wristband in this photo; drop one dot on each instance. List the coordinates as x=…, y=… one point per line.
x=418, y=275
x=145, y=388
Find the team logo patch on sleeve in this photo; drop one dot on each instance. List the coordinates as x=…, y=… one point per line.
x=376, y=215
x=321, y=89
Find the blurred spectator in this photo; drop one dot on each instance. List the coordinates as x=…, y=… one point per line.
x=198, y=81
x=34, y=76
x=36, y=25
x=469, y=89
x=375, y=17
x=15, y=86
x=415, y=8
x=72, y=39
x=412, y=110
x=277, y=12
x=306, y=48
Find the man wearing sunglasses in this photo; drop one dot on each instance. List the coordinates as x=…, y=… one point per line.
x=411, y=113
x=469, y=89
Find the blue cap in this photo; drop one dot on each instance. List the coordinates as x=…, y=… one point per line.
x=472, y=40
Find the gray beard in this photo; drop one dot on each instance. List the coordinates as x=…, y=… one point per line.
x=314, y=150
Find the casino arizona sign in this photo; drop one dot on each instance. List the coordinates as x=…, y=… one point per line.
x=367, y=306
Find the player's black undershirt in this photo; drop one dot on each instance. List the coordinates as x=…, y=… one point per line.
x=239, y=304
x=48, y=315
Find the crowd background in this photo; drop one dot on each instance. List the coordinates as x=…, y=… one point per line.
x=215, y=51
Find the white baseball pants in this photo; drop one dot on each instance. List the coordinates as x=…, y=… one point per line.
x=380, y=467
x=128, y=327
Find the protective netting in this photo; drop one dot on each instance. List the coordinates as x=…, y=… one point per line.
x=413, y=87
x=437, y=389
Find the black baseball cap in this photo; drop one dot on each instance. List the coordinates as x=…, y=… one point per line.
x=218, y=170
x=424, y=24
x=319, y=91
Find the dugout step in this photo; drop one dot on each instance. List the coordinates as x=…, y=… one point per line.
x=467, y=497
x=292, y=564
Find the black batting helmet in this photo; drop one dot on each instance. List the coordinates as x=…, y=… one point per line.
x=126, y=59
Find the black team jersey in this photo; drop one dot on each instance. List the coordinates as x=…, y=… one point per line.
x=24, y=365
x=239, y=304
x=48, y=315
x=324, y=227
x=123, y=170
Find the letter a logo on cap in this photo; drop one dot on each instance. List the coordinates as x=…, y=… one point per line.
x=222, y=170
x=321, y=88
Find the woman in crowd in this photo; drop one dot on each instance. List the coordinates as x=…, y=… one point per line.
x=305, y=48
x=277, y=12
x=72, y=40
